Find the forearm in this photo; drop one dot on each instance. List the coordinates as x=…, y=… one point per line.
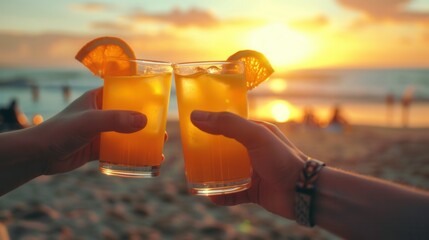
x=359, y=207
x=20, y=159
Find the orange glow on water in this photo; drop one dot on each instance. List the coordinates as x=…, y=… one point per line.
x=274, y=110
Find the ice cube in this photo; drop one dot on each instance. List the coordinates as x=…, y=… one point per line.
x=213, y=70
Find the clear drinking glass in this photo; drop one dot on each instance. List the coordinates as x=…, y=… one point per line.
x=214, y=164
x=147, y=91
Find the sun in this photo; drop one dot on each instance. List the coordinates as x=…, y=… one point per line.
x=280, y=111
x=282, y=46
x=277, y=110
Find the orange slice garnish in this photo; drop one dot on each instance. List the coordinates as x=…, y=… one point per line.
x=108, y=56
x=258, y=68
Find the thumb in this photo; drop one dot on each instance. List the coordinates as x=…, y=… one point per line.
x=97, y=121
x=230, y=125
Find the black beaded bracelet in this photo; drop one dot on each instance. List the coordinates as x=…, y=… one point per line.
x=305, y=188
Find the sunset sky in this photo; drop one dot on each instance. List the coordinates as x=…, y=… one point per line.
x=291, y=33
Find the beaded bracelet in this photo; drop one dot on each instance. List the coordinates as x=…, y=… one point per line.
x=305, y=188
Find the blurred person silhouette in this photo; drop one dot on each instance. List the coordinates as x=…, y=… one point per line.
x=62, y=143
x=309, y=119
x=288, y=183
x=390, y=101
x=35, y=92
x=11, y=117
x=406, y=100
x=337, y=122
x=66, y=93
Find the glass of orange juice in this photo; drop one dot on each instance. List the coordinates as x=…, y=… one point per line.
x=147, y=90
x=214, y=164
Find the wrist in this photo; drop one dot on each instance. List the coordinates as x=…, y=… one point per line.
x=20, y=158
x=305, y=192
x=35, y=146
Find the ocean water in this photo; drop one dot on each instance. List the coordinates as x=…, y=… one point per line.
x=361, y=94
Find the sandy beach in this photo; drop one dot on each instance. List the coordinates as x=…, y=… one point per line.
x=85, y=204
x=361, y=64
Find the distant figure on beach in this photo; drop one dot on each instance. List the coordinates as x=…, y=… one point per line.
x=309, y=118
x=66, y=93
x=338, y=122
x=11, y=118
x=406, y=100
x=35, y=92
x=291, y=184
x=390, y=101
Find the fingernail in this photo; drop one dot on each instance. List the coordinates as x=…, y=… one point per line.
x=138, y=120
x=199, y=115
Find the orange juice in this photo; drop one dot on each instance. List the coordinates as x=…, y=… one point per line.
x=136, y=154
x=213, y=164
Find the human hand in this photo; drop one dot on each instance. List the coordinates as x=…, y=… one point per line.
x=71, y=138
x=275, y=160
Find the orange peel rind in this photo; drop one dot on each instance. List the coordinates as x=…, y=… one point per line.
x=108, y=56
x=258, y=68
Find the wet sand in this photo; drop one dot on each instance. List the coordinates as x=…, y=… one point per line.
x=85, y=204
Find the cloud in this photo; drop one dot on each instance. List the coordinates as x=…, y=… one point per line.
x=91, y=7
x=311, y=24
x=379, y=7
x=177, y=17
x=58, y=50
x=141, y=21
x=386, y=10
x=18, y=49
x=111, y=26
